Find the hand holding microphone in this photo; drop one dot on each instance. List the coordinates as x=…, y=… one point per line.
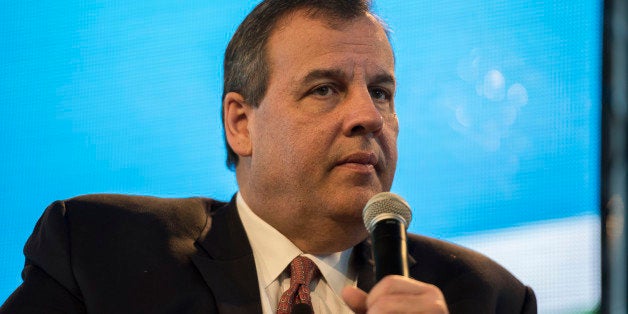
x=386, y=217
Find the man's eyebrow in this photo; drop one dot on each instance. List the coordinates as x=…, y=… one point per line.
x=321, y=74
x=382, y=78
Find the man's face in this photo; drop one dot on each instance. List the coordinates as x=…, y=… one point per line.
x=324, y=137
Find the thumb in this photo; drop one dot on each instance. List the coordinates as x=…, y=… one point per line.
x=355, y=299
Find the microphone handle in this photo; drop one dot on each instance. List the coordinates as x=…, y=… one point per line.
x=389, y=248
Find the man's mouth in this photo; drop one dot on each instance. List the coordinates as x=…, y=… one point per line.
x=360, y=161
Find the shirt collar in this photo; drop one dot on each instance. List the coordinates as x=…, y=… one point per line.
x=271, y=249
x=335, y=269
x=274, y=252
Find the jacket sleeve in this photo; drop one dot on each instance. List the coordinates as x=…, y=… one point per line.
x=48, y=284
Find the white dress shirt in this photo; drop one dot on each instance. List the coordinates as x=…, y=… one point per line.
x=273, y=252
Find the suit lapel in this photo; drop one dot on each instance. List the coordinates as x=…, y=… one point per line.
x=365, y=266
x=228, y=267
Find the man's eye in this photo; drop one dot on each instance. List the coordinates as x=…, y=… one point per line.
x=380, y=94
x=323, y=90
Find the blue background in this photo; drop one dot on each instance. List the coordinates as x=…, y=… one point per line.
x=498, y=104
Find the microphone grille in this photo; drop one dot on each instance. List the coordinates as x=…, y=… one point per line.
x=389, y=205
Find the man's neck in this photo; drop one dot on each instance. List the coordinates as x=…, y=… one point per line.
x=312, y=234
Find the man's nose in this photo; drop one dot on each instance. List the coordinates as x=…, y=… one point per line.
x=363, y=116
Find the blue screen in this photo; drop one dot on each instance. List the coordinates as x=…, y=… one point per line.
x=498, y=102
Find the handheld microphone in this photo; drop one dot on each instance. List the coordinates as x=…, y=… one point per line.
x=386, y=217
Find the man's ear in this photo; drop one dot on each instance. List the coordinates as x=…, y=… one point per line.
x=236, y=119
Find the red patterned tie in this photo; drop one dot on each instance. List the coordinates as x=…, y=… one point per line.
x=302, y=271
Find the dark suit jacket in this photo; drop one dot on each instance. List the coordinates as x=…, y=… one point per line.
x=129, y=254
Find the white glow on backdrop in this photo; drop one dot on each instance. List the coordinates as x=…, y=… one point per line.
x=559, y=258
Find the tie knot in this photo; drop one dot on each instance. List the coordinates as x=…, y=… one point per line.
x=302, y=270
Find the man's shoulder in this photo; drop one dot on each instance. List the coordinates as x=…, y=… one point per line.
x=123, y=204
x=452, y=258
x=465, y=276
x=138, y=226
x=104, y=246
x=138, y=203
x=444, y=250
x=118, y=212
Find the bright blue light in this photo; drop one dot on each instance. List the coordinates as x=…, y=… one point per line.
x=498, y=104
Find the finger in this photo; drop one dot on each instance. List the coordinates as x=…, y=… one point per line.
x=399, y=285
x=355, y=299
x=409, y=303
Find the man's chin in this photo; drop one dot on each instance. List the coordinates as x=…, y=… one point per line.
x=347, y=202
x=351, y=212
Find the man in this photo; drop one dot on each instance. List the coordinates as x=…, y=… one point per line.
x=311, y=129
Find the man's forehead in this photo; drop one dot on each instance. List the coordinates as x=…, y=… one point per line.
x=323, y=35
x=305, y=50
